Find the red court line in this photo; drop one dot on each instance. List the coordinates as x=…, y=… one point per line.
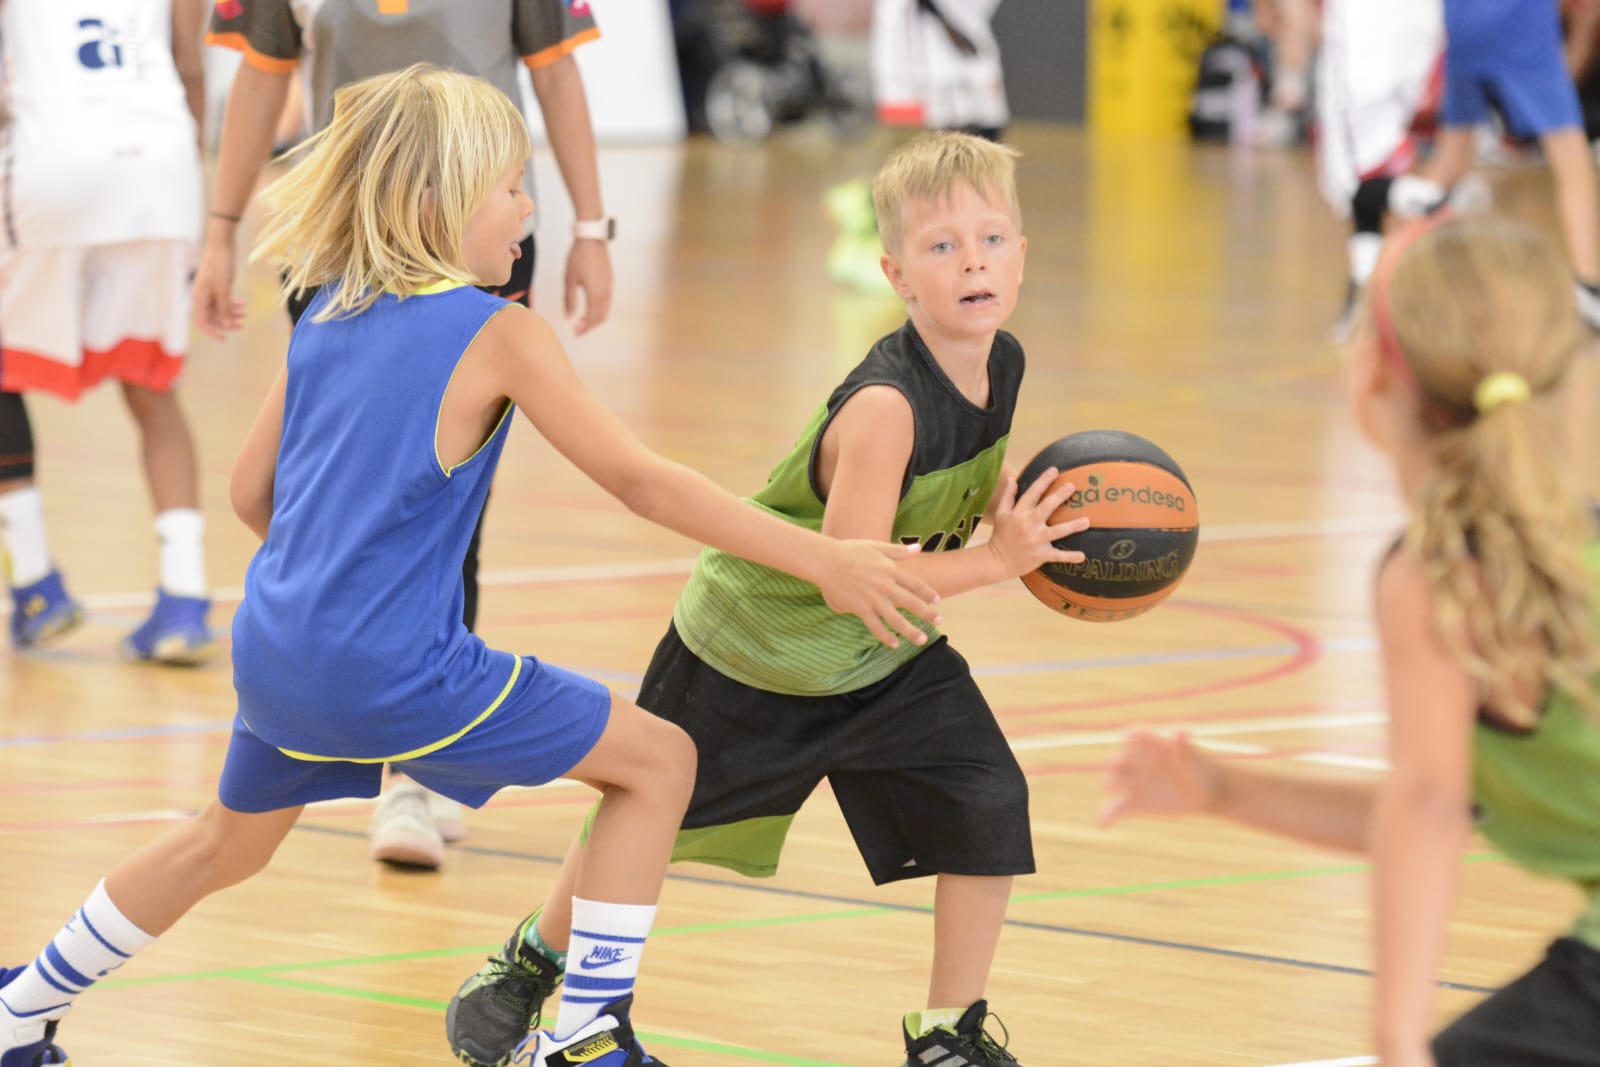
x=1308, y=650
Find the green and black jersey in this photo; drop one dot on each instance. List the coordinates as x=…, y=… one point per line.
x=1537, y=793
x=773, y=631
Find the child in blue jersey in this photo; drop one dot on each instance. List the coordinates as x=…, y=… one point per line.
x=1507, y=55
x=364, y=474
x=779, y=694
x=1486, y=613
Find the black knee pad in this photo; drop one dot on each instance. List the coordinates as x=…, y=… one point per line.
x=1368, y=206
x=16, y=439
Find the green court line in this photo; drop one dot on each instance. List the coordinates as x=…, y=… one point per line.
x=274, y=974
x=261, y=973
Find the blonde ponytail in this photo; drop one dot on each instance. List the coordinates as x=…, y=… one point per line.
x=1482, y=311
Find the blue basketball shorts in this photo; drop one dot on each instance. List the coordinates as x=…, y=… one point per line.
x=1507, y=55
x=548, y=723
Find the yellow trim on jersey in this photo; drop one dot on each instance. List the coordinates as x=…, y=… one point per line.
x=443, y=285
x=416, y=753
x=546, y=56
x=449, y=472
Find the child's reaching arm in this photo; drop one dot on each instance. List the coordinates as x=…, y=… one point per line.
x=1168, y=774
x=862, y=463
x=1421, y=819
x=517, y=355
x=254, y=472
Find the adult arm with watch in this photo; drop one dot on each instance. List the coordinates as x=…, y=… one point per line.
x=587, y=282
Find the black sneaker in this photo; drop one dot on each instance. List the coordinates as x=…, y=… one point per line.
x=493, y=1011
x=607, y=1041
x=968, y=1045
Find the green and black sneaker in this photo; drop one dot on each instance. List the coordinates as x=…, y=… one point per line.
x=493, y=1011
x=968, y=1044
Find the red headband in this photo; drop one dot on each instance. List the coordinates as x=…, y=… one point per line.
x=1382, y=319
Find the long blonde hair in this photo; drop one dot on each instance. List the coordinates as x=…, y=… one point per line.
x=930, y=165
x=1501, y=526
x=380, y=197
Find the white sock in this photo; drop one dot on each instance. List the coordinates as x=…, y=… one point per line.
x=22, y=516
x=602, y=961
x=1364, y=250
x=183, y=557
x=1413, y=197
x=95, y=942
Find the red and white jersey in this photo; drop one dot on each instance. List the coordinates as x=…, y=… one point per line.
x=100, y=147
x=939, y=69
x=1380, y=72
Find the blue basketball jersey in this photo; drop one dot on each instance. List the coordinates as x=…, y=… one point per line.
x=349, y=643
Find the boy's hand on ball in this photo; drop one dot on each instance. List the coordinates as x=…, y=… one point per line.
x=1024, y=537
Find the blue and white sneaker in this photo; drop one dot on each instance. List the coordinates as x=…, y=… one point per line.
x=607, y=1042
x=175, y=633
x=27, y=1042
x=43, y=612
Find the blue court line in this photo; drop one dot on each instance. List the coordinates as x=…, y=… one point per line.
x=621, y=678
x=859, y=902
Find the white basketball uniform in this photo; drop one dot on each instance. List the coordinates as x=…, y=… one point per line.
x=101, y=196
x=924, y=76
x=1380, y=68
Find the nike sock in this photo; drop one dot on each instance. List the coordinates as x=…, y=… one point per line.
x=95, y=942
x=181, y=532
x=607, y=940
x=22, y=516
x=922, y=1023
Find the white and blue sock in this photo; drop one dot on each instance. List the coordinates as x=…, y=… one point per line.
x=95, y=942
x=602, y=961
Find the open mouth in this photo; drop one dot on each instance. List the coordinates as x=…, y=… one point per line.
x=978, y=299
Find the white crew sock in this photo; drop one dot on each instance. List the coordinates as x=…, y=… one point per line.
x=22, y=516
x=602, y=961
x=95, y=942
x=183, y=557
x=1364, y=250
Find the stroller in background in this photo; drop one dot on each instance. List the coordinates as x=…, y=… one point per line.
x=750, y=67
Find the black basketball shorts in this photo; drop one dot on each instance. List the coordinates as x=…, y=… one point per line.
x=925, y=778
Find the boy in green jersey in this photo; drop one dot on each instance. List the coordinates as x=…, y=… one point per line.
x=780, y=693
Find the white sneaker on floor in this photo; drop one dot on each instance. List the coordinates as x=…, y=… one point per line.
x=403, y=831
x=449, y=816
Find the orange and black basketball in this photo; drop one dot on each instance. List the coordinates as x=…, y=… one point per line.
x=1144, y=525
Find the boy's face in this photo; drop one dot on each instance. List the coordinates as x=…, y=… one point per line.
x=959, y=264
x=493, y=237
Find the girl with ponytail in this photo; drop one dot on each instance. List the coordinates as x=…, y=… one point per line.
x=1486, y=611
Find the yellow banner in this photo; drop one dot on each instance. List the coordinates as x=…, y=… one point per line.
x=1144, y=56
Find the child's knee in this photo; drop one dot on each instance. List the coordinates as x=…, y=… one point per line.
x=227, y=847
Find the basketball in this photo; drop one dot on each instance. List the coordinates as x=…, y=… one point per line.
x=1144, y=525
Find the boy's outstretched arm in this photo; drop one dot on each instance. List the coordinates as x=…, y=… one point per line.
x=862, y=462
x=1168, y=774
x=517, y=355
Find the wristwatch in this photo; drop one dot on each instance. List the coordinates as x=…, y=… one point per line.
x=595, y=229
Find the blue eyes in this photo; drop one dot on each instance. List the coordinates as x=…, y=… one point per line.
x=992, y=239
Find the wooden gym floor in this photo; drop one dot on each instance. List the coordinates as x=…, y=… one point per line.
x=1178, y=292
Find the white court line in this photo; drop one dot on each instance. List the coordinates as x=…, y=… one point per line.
x=1349, y=1061
x=1258, y=726
x=653, y=568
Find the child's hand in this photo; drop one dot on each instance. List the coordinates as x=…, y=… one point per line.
x=1023, y=537
x=865, y=580
x=1159, y=774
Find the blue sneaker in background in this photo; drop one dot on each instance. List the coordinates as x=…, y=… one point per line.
x=175, y=633
x=43, y=612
